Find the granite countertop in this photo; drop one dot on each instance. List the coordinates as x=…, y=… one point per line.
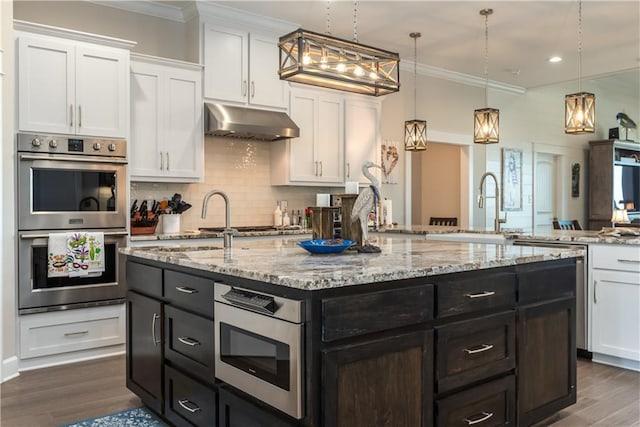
x=281, y=262
x=196, y=235
x=567, y=236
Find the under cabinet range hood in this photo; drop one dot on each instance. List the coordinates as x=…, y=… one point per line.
x=248, y=123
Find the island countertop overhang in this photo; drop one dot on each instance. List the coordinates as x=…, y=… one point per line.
x=281, y=262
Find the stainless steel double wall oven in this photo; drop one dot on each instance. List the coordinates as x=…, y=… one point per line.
x=68, y=184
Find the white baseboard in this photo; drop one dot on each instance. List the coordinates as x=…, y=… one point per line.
x=72, y=357
x=619, y=362
x=9, y=369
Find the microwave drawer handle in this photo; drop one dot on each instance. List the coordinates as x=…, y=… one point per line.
x=189, y=341
x=257, y=302
x=480, y=294
x=189, y=405
x=44, y=236
x=91, y=159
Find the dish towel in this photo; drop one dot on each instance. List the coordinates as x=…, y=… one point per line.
x=76, y=254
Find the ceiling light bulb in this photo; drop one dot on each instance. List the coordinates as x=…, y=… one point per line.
x=324, y=60
x=579, y=115
x=306, y=58
x=341, y=67
x=358, y=71
x=373, y=75
x=554, y=59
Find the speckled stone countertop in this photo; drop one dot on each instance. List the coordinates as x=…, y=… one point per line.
x=196, y=235
x=568, y=236
x=281, y=262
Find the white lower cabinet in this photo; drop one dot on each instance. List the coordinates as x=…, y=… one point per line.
x=45, y=334
x=615, y=304
x=167, y=134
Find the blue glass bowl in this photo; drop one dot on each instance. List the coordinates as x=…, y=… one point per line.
x=326, y=246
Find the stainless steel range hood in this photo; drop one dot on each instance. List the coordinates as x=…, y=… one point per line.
x=249, y=123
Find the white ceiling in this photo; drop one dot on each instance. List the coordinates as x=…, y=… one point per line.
x=522, y=34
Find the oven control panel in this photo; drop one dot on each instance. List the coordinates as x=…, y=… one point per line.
x=60, y=144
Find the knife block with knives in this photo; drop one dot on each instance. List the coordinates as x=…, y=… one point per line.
x=144, y=220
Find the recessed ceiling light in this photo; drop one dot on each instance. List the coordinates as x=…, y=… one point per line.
x=554, y=59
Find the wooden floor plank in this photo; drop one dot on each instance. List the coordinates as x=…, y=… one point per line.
x=607, y=396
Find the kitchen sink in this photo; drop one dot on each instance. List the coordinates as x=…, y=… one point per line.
x=490, y=238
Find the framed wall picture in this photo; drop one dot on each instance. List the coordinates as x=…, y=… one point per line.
x=389, y=158
x=511, y=179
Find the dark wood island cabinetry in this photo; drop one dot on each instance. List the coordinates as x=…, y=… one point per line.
x=488, y=347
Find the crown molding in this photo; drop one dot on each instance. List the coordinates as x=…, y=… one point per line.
x=146, y=7
x=454, y=76
x=224, y=15
x=48, y=30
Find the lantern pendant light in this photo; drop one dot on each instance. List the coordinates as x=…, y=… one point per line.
x=486, y=121
x=415, y=131
x=579, y=108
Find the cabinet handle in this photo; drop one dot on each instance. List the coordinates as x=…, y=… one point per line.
x=189, y=341
x=189, y=405
x=75, y=334
x=79, y=116
x=71, y=114
x=484, y=416
x=253, y=89
x=348, y=170
x=161, y=161
x=321, y=168
x=153, y=328
x=186, y=290
x=167, y=153
x=595, y=286
x=629, y=261
x=481, y=348
x=480, y=295
x=244, y=88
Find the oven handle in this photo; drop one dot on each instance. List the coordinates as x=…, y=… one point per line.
x=44, y=236
x=88, y=159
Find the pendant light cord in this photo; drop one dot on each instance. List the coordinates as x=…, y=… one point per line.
x=415, y=68
x=355, y=21
x=579, y=46
x=486, y=59
x=328, y=18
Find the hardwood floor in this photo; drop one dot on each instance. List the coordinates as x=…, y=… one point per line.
x=607, y=396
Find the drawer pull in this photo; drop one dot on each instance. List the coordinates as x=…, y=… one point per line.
x=189, y=405
x=75, y=334
x=156, y=316
x=629, y=261
x=484, y=416
x=189, y=341
x=186, y=290
x=480, y=295
x=479, y=349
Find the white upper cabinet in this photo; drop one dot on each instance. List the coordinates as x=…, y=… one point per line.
x=167, y=139
x=362, y=138
x=242, y=68
x=71, y=87
x=317, y=156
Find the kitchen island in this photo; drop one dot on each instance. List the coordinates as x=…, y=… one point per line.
x=423, y=333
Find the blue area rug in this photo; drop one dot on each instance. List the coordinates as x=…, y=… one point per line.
x=139, y=417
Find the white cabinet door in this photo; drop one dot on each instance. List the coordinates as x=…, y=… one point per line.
x=145, y=146
x=184, y=144
x=266, y=88
x=167, y=140
x=302, y=162
x=226, y=64
x=46, y=86
x=101, y=91
x=616, y=313
x=362, y=139
x=72, y=88
x=330, y=141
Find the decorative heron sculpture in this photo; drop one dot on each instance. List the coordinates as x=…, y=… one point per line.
x=367, y=199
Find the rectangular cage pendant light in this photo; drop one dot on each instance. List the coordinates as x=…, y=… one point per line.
x=579, y=113
x=321, y=60
x=486, y=126
x=415, y=135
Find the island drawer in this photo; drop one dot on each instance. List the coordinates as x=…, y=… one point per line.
x=474, y=350
x=144, y=279
x=189, y=342
x=487, y=405
x=190, y=292
x=476, y=291
x=188, y=402
x=350, y=316
x=236, y=411
x=552, y=280
x=616, y=257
